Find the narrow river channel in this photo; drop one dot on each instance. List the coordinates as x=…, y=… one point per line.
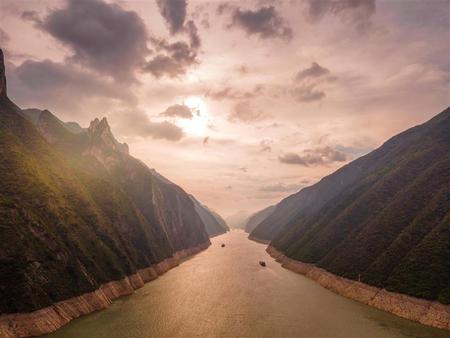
x=224, y=292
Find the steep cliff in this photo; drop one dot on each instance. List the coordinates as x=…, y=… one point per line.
x=383, y=219
x=258, y=217
x=2, y=76
x=76, y=211
x=214, y=224
x=164, y=204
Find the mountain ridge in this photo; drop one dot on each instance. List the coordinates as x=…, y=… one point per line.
x=80, y=211
x=259, y=216
x=214, y=223
x=381, y=218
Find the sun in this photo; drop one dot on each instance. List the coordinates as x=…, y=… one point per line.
x=198, y=124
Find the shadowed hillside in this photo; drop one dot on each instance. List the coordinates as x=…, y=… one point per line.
x=76, y=210
x=214, y=223
x=258, y=217
x=384, y=218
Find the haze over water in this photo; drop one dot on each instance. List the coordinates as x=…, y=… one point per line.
x=224, y=292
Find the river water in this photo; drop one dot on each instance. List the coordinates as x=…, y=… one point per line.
x=224, y=292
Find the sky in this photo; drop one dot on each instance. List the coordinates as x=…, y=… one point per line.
x=240, y=103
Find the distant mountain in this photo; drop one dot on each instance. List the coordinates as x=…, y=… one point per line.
x=214, y=224
x=34, y=116
x=98, y=142
x=384, y=217
x=258, y=217
x=77, y=211
x=219, y=219
x=238, y=219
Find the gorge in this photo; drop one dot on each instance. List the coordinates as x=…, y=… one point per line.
x=224, y=292
x=257, y=169
x=81, y=218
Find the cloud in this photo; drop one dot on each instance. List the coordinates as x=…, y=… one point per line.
x=62, y=85
x=229, y=93
x=162, y=65
x=356, y=12
x=205, y=22
x=307, y=93
x=244, y=112
x=178, y=110
x=10, y=54
x=102, y=36
x=162, y=130
x=192, y=32
x=174, y=13
x=242, y=69
x=314, y=71
x=265, y=22
x=265, y=145
x=174, y=59
x=4, y=38
x=313, y=157
x=136, y=122
x=280, y=187
x=178, y=59
x=307, y=83
x=31, y=16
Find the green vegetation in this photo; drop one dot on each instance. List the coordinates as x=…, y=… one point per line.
x=214, y=224
x=258, y=217
x=384, y=217
x=77, y=211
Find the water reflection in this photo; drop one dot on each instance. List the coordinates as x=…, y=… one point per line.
x=224, y=292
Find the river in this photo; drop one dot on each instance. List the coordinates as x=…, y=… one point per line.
x=224, y=292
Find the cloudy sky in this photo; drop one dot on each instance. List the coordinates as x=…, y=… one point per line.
x=241, y=103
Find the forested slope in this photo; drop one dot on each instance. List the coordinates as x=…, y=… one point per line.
x=389, y=223
x=77, y=211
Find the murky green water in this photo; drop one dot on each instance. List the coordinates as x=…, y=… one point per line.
x=224, y=292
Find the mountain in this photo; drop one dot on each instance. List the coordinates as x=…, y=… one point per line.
x=310, y=200
x=214, y=224
x=34, y=116
x=238, y=219
x=258, y=217
x=132, y=174
x=383, y=218
x=77, y=211
x=3, y=93
x=219, y=219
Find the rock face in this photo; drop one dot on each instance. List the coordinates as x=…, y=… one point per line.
x=2, y=75
x=78, y=212
x=51, y=318
x=258, y=217
x=101, y=136
x=214, y=224
x=430, y=313
x=383, y=218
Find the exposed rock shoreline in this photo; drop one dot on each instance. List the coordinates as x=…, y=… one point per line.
x=429, y=313
x=257, y=240
x=53, y=317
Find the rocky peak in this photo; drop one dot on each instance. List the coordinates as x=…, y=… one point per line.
x=101, y=136
x=99, y=126
x=2, y=75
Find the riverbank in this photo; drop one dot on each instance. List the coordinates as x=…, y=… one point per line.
x=53, y=317
x=429, y=313
x=257, y=240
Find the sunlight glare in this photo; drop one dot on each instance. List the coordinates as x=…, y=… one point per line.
x=198, y=125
